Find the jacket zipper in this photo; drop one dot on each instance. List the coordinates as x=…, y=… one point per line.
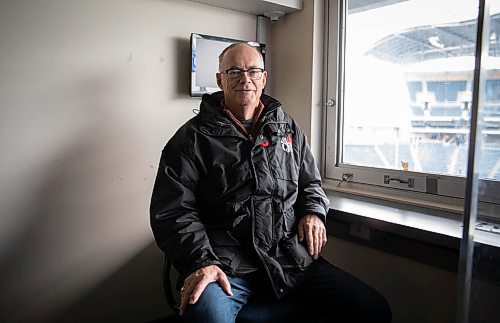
x=258, y=253
x=275, y=187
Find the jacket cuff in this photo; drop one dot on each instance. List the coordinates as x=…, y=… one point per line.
x=321, y=215
x=195, y=267
x=203, y=264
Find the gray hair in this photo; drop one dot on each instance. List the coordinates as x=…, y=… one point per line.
x=221, y=56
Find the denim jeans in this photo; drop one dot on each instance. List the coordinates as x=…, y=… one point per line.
x=327, y=294
x=214, y=305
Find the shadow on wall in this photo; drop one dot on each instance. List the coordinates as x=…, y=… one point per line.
x=85, y=198
x=183, y=54
x=417, y=293
x=134, y=293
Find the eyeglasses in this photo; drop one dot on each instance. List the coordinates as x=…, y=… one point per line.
x=255, y=73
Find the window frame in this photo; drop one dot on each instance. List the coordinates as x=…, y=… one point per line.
x=433, y=191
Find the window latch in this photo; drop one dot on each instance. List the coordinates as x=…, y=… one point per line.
x=388, y=179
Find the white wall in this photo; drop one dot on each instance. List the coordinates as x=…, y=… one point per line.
x=297, y=78
x=90, y=91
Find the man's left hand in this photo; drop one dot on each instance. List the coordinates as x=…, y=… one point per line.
x=312, y=228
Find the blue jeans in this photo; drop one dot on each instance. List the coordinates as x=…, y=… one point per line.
x=214, y=305
x=327, y=294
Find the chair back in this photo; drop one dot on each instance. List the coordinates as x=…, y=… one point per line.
x=168, y=287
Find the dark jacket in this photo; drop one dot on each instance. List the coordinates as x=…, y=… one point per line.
x=221, y=199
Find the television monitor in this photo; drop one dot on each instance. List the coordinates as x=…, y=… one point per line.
x=205, y=51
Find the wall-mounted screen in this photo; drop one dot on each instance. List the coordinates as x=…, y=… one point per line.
x=205, y=52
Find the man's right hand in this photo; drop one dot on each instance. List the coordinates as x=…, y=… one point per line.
x=195, y=284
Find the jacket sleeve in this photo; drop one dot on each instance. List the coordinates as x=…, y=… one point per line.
x=311, y=198
x=175, y=218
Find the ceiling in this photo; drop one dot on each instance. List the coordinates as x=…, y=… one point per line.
x=256, y=7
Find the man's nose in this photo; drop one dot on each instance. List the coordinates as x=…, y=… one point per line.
x=244, y=77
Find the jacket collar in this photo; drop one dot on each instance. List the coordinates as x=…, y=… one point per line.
x=214, y=121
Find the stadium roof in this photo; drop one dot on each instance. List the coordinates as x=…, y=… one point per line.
x=437, y=41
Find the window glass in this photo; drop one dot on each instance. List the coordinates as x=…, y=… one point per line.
x=407, y=87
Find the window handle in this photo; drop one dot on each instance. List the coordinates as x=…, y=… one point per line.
x=388, y=179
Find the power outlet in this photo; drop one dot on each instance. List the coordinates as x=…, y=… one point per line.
x=360, y=231
x=347, y=177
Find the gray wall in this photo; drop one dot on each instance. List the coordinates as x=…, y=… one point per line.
x=416, y=292
x=90, y=91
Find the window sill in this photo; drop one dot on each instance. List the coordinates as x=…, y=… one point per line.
x=438, y=227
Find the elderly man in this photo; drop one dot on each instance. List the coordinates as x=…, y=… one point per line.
x=238, y=208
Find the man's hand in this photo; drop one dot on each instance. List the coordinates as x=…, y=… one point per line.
x=195, y=284
x=312, y=228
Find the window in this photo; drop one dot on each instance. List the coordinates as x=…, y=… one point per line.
x=402, y=75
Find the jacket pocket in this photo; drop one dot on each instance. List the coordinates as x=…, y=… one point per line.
x=289, y=221
x=296, y=252
x=225, y=247
x=283, y=164
x=282, y=152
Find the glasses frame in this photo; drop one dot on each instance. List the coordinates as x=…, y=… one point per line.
x=242, y=70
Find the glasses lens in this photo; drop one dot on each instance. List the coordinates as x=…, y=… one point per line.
x=234, y=74
x=255, y=73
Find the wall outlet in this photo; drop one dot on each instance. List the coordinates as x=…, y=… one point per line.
x=363, y=232
x=347, y=177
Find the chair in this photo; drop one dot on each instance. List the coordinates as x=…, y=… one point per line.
x=255, y=311
x=167, y=286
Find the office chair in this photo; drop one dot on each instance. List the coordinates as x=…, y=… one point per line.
x=167, y=286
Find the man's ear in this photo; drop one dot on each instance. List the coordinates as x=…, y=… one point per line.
x=264, y=79
x=218, y=76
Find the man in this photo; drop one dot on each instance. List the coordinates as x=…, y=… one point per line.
x=238, y=208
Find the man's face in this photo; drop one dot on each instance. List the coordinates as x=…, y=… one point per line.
x=243, y=91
